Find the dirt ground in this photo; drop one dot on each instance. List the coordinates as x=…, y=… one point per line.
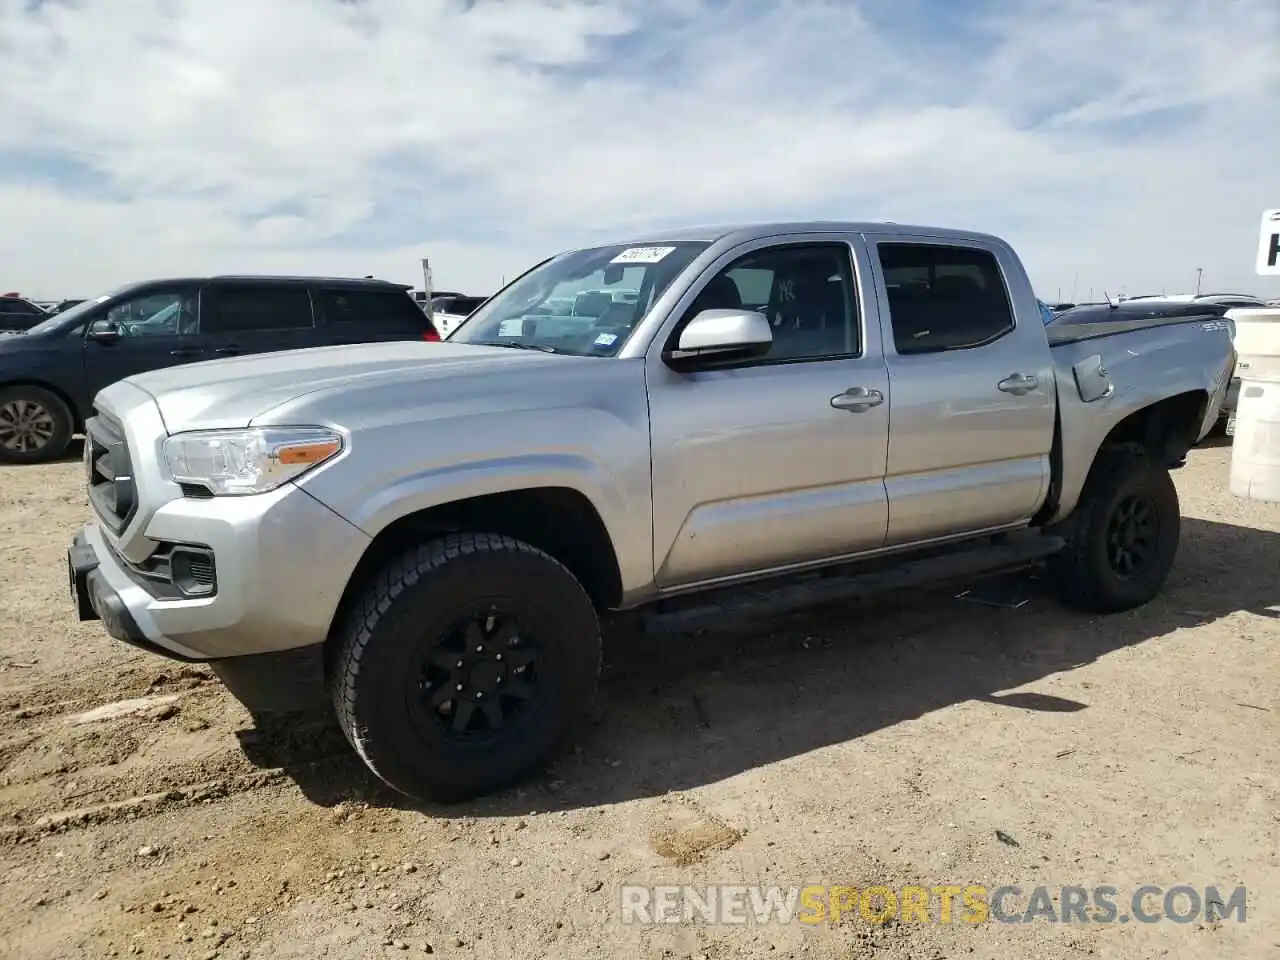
x=924, y=741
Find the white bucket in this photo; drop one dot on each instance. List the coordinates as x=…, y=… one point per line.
x=1257, y=342
x=1255, y=448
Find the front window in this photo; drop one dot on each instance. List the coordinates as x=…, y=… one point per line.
x=153, y=315
x=70, y=320
x=585, y=303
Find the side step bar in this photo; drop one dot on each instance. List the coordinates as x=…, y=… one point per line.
x=1012, y=552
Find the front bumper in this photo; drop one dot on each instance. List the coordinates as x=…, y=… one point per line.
x=283, y=561
x=95, y=599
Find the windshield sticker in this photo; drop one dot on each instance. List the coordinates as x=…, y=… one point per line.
x=606, y=340
x=511, y=327
x=642, y=255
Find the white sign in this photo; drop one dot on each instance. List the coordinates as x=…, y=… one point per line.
x=1269, y=244
x=642, y=255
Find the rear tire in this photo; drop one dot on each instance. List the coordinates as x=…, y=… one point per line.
x=35, y=425
x=1122, y=538
x=463, y=664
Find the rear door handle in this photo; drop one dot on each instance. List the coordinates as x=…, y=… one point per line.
x=857, y=399
x=1018, y=384
x=231, y=351
x=186, y=352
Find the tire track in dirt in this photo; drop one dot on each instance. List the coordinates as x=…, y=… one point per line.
x=68, y=760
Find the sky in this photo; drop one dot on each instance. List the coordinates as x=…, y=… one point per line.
x=1119, y=145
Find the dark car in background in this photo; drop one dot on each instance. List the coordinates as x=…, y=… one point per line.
x=18, y=314
x=50, y=374
x=62, y=306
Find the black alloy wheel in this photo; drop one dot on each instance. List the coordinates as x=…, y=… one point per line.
x=1132, y=533
x=478, y=678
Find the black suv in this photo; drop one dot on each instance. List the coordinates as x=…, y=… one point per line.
x=50, y=374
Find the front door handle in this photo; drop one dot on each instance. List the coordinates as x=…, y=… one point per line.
x=1018, y=384
x=857, y=399
x=231, y=351
x=185, y=352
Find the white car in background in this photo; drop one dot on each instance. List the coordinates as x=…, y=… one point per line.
x=449, y=310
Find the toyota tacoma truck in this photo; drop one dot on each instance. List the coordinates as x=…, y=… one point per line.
x=436, y=530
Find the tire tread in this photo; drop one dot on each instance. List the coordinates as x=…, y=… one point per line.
x=404, y=571
x=1076, y=581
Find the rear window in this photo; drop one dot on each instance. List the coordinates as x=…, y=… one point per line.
x=361, y=306
x=943, y=297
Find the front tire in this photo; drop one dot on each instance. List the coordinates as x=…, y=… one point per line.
x=1122, y=538
x=35, y=425
x=463, y=664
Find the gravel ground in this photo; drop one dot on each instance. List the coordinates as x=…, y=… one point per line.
x=930, y=741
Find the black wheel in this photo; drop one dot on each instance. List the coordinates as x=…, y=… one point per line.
x=463, y=664
x=35, y=425
x=1123, y=536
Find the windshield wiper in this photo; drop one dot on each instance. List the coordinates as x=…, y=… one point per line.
x=517, y=345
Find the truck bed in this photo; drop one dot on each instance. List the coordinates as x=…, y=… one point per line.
x=1064, y=333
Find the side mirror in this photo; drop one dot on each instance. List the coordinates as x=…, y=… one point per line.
x=104, y=331
x=722, y=335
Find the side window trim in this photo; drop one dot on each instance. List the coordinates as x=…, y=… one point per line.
x=724, y=263
x=888, y=336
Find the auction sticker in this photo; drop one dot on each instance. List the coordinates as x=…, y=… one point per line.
x=642, y=255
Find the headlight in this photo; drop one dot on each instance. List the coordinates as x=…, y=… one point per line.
x=254, y=460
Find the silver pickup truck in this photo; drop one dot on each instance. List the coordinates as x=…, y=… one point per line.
x=442, y=526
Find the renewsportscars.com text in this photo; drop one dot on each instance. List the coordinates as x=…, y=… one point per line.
x=948, y=903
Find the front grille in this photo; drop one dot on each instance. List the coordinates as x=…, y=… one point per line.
x=109, y=470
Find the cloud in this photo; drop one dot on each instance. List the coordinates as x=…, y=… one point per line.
x=1119, y=144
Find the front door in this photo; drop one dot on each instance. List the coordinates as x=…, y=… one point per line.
x=779, y=461
x=973, y=391
x=150, y=330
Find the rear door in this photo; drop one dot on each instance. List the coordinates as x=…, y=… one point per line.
x=256, y=316
x=972, y=388
x=368, y=315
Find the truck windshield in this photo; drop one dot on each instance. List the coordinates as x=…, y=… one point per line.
x=585, y=303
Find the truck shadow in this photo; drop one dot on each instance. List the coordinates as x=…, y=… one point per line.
x=678, y=711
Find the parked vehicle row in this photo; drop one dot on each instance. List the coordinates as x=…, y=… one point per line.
x=50, y=374
x=436, y=529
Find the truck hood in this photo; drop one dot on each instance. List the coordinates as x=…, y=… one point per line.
x=235, y=392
